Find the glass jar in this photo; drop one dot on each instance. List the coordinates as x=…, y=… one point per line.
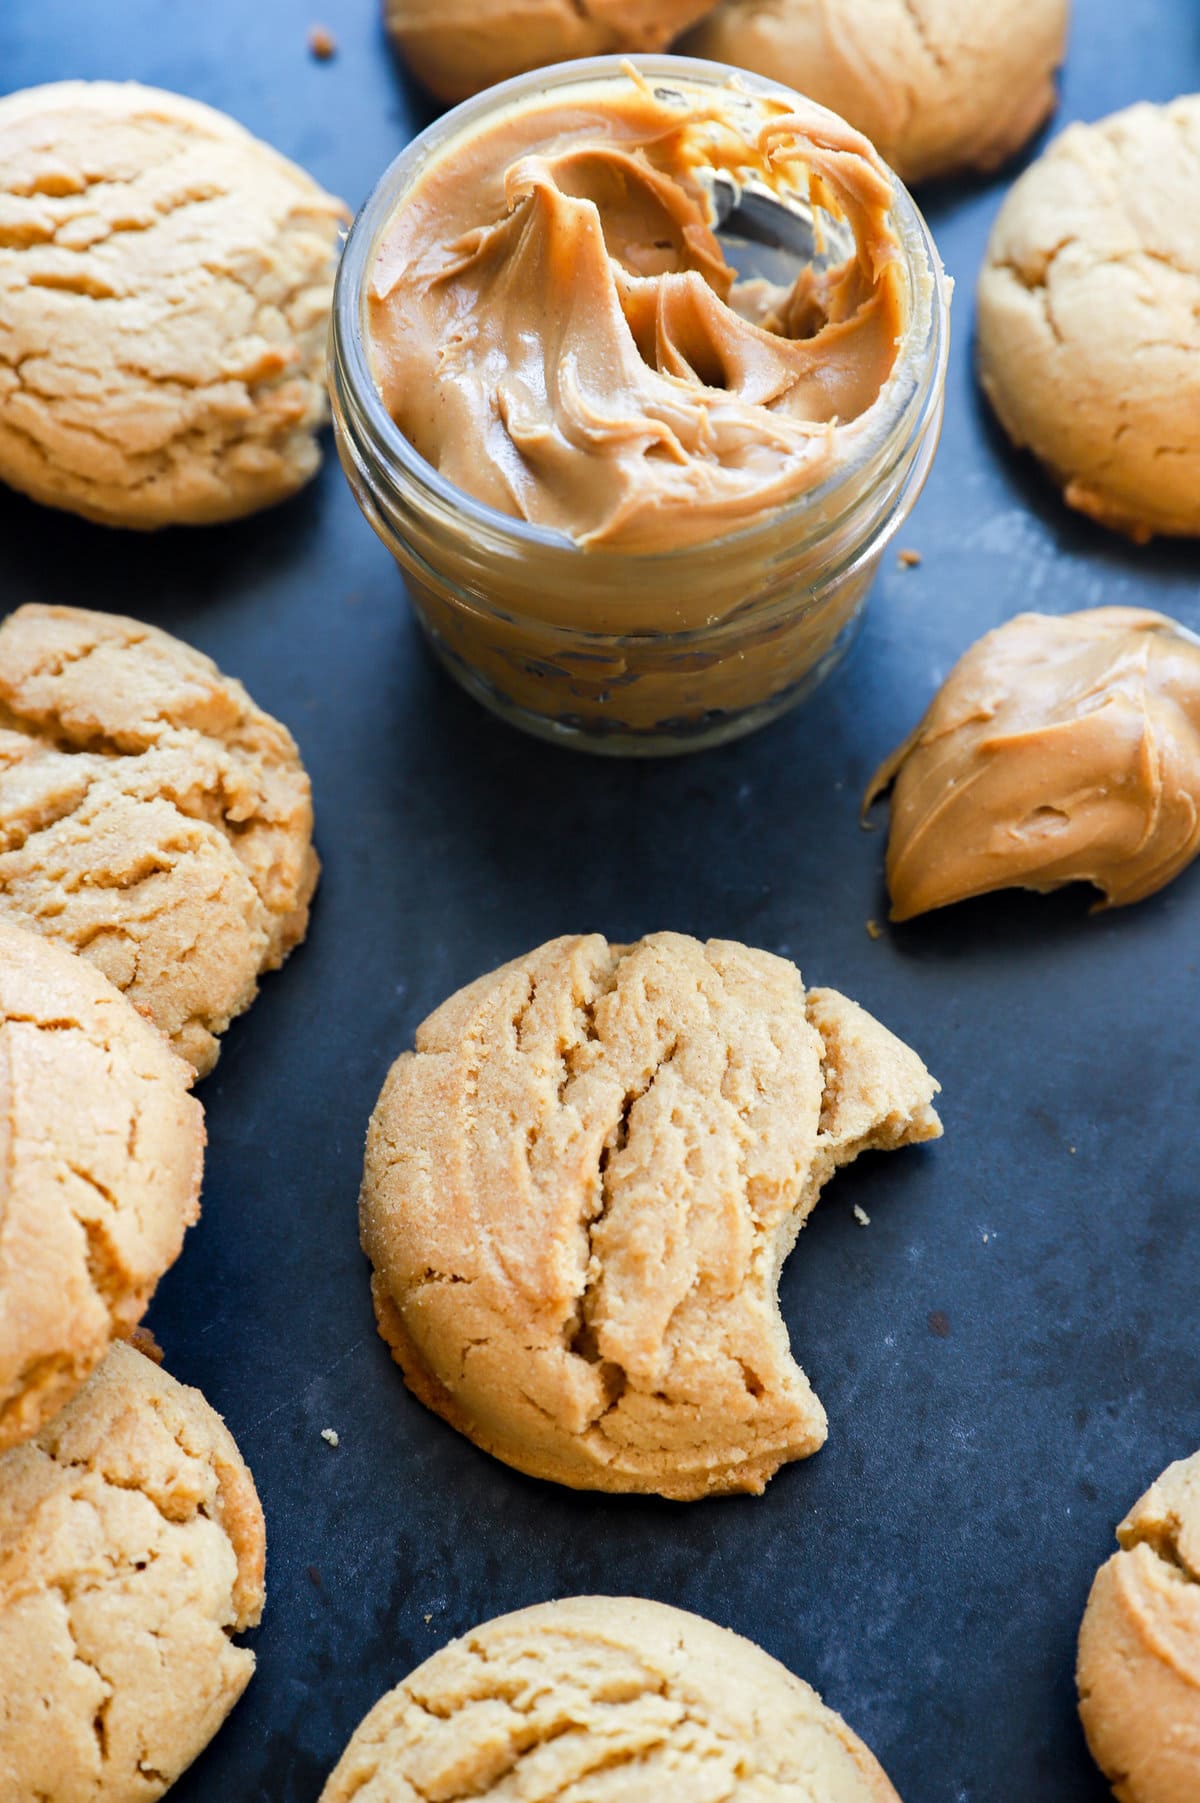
x=685, y=647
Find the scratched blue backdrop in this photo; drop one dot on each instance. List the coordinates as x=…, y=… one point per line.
x=928, y=1569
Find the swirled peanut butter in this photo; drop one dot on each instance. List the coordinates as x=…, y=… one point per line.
x=554, y=325
x=1058, y=750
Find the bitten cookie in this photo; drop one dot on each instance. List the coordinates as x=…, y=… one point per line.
x=103, y=1153
x=1061, y=748
x=1139, y=1648
x=1089, y=317
x=935, y=84
x=152, y=817
x=165, y=284
x=457, y=47
x=131, y=1550
x=613, y=1697
x=580, y=1189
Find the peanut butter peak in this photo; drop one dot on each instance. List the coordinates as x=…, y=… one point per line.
x=1058, y=750
x=554, y=326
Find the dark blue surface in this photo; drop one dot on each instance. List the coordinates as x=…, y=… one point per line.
x=928, y=1569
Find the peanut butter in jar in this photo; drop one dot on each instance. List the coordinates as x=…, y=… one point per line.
x=636, y=370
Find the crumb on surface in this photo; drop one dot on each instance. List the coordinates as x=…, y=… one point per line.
x=874, y=930
x=330, y=1435
x=429, y=1618
x=321, y=43
x=861, y=1215
x=908, y=560
x=143, y=1341
x=939, y=1324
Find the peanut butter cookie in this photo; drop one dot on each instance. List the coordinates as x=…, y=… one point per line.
x=131, y=1550
x=103, y=1151
x=936, y=85
x=165, y=284
x=1089, y=317
x=457, y=47
x=1060, y=749
x=1139, y=1648
x=599, y=1696
x=580, y=1190
x=151, y=817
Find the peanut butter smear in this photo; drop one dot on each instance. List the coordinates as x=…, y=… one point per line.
x=554, y=326
x=1059, y=750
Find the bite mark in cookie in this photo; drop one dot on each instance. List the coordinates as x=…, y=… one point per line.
x=580, y=1189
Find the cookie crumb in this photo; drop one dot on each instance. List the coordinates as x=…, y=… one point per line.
x=143, y=1341
x=331, y=1436
x=908, y=560
x=874, y=930
x=428, y=1618
x=1071, y=1150
x=939, y=1324
x=861, y=1215
x=321, y=43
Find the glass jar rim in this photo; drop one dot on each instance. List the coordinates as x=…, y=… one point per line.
x=911, y=402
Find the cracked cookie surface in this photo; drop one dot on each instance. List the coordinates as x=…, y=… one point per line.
x=1139, y=1647
x=101, y=1153
x=165, y=285
x=937, y=86
x=152, y=817
x=611, y=1697
x=131, y=1551
x=457, y=47
x=1089, y=317
x=580, y=1189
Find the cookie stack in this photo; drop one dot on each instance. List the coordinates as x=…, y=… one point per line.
x=155, y=857
x=164, y=297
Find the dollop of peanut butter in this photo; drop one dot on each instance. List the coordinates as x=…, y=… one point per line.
x=1059, y=750
x=553, y=324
